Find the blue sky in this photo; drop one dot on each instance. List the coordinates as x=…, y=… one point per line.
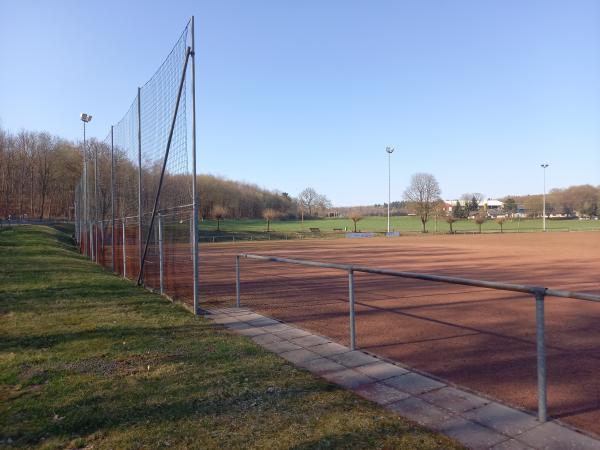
x=294, y=94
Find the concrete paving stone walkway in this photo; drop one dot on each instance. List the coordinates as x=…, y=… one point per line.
x=475, y=421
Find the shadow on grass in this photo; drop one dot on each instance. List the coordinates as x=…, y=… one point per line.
x=89, y=360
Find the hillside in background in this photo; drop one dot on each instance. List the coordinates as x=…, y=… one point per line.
x=39, y=172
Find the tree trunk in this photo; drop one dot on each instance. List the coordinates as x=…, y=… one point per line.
x=268, y=225
x=218, y=224
x=355, y=226
x=423, y=222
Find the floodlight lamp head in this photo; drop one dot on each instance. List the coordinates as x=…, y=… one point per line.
x=389, y=149
x=543, y=166
x=85, y=117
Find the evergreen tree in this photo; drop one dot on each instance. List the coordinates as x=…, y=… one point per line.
x=473, y=205
x=457, y=210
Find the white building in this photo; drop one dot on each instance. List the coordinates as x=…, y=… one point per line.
x=491, y=206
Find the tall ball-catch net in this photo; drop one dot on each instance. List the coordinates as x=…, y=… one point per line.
x=120, y=191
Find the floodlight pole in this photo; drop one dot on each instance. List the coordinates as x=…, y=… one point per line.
x=88, y=250
x=85, y=199
x=389, y=151
x=544, y=166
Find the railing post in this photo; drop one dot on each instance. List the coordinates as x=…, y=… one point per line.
x=124, y=247
x=541, y=355
x=160, y=252
x=351, y=304
x=237, y=281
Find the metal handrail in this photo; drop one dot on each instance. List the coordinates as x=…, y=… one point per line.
x=539, y=292
x=435, y=278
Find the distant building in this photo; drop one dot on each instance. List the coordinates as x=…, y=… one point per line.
x=492, y=207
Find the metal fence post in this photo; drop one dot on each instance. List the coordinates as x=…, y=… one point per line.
x=92, y=242
x=102, y=244
x=194, y=186
x=96, y=204
x=351, y=304
x=237, y=281
x=113, y=257
x=98, y=247
x=96, y=242
x=192, y=235
x=139, y=138
x=124, y=247
x=541, y=355
x=160, y=252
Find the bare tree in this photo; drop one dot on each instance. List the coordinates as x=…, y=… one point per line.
x=500, y=221
x=450, y=220
x=480, y=220
x=46, y=148
x=270, y=214
x=423, y=195
x=469, y=196
x=218, y=213
x=322, y=204
x=311, y=202
x=355, y=216
x=307, y=199
x=533, y=205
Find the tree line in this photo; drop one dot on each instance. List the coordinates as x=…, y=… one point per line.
x=39, y=173
x=574, y=201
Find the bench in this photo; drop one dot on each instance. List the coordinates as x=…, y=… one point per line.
x=315, y=230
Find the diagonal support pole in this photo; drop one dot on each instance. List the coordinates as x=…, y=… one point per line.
x=164, y=166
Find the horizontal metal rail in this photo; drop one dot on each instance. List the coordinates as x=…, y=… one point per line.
x=571, y=294
x=428, y=277
x=539, y=293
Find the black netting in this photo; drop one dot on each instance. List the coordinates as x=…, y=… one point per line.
x=123, y=172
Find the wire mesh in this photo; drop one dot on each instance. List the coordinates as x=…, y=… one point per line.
x=157, y=103
x=122, y=181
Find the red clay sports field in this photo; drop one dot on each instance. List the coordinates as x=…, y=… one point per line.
x=477, y=338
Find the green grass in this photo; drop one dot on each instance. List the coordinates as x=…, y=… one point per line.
x=402, y=224
x=88, y=360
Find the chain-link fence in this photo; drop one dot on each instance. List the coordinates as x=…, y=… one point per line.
x=135, y=206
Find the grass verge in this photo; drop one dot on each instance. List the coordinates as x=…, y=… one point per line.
x=404, y=224
x=88, y=360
